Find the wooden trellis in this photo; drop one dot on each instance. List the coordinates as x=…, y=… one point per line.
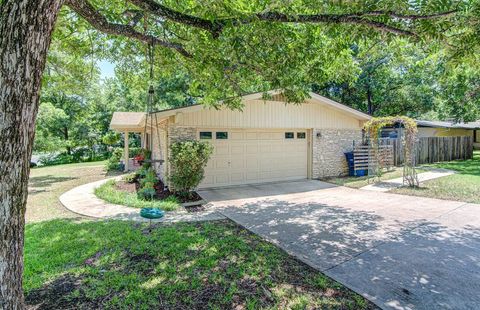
x=365, y=159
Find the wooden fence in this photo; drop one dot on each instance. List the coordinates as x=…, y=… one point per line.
x=433, y=149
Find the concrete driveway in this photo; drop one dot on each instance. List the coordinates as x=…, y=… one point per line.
x=401, y=252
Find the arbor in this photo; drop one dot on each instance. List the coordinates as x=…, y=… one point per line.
x=226, y=47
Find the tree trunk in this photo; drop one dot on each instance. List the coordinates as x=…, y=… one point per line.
x=65, y=136
x=25, y=33
x=369, y=101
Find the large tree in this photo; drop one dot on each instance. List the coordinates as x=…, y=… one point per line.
x=225, y=46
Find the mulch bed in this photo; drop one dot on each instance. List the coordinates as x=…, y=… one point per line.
x=161, y=192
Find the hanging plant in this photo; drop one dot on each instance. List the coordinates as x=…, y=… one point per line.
x=374, y=127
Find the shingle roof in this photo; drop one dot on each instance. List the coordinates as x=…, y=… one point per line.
x=446, y=124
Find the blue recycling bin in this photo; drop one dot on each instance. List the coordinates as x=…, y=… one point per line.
x=350, y=161
x=351, y=166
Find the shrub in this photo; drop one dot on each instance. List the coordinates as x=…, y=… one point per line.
x=149, y=177
x=147, y=192
x=188, y=160
x=130, y=178
x=77, y=156
x=113, y=162
x=134, y=151
x=147, y=184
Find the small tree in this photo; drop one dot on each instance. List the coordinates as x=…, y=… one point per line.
x=188, y=160
x=111, y=138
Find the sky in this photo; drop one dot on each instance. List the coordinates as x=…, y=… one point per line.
x=107, y=69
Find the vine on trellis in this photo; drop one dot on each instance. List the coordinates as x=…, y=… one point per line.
x=374, y=127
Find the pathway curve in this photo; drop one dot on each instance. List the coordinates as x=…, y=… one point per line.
x=387, y=185
x=82, y=200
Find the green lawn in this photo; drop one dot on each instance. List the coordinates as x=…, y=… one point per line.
x=463, y=186
x=110, y=193
x=46, y=184
x=83, y=264
x=209, y=265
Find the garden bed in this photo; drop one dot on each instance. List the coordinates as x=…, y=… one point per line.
x=125, y=193
x=161, y=191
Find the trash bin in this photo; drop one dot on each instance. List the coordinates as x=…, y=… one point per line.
x=350, y=162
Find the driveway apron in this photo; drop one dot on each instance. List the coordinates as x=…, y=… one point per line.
x=401, y=252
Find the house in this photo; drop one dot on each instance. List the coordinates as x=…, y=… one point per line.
x=268, y=141
x=450, y=129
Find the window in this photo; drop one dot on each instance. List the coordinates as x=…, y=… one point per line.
x=289, y=135
x=221, y=135
x=205, y=135
x=301, y=135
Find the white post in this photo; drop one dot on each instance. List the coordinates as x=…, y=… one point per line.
x=125, y=151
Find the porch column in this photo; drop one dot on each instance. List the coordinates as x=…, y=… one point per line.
x=125, y=151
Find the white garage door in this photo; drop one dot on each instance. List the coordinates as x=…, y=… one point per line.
x=255, y=156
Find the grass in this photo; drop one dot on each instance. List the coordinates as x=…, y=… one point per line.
x=357, y=182
x=110, y=193
x=463, y=186
x=46, y=184
x=208, y=265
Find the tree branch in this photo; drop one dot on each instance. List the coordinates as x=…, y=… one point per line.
x=165, y=12
x=216, y=26
x=99, y=22
x=409, y=16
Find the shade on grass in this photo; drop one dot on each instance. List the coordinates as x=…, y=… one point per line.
x=117, y=264
x=110, y=193
x=462, y=186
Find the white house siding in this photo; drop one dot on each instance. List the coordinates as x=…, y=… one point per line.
x=337, y=129
x=270, y=114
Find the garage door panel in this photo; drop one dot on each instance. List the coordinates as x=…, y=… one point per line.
x=221, y=149
x=222, y=178
x=237, y=149
x=221, y=164
x=255, y=156
x=251, y=175
x=237, y=135
x=237, y=164
x=237, y=177
x=251, y=149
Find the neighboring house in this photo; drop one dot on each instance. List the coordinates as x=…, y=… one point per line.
x=269, y=140
x=450, y=129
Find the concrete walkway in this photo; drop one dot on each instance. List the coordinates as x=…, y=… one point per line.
x=82, y=200
x=387, y=185
x=399, y=251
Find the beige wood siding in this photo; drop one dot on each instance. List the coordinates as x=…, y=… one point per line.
x=270, y=114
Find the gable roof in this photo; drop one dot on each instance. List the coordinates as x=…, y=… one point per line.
x=446, y=124
x=128, y=121
x=259, y=96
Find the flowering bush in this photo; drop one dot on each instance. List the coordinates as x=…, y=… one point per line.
x=188, y=160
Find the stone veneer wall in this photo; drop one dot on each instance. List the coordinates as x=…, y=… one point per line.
x=179, y=133
x=328, y=159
